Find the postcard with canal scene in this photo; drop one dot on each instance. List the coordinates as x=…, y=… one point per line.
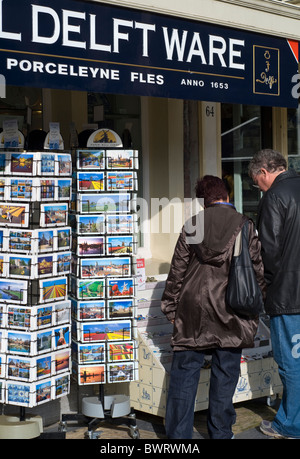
x=90, y=159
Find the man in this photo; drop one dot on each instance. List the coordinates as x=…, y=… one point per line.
x=279, y=232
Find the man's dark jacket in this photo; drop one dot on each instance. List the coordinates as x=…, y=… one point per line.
x=278, y=226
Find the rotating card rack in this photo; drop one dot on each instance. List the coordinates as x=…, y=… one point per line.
x=35, y=262
x=103, y=282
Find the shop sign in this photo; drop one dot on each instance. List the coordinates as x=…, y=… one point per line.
x=91, y=46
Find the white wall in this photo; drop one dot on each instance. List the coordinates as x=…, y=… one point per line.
x=264, y=16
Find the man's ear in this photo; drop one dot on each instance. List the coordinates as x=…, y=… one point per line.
x=263, y=171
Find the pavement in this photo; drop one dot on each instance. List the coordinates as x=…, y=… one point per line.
x=249, y=415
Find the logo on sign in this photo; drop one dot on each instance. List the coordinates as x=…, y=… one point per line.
x=266, y=73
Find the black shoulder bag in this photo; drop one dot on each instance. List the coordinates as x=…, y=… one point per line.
x=243, y=294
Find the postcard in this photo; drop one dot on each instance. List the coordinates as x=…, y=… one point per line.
x=45, y=240
x=4, y=161
x=2, y=391
x=90, y=353
x=44, y=341
x=3, y=265
x=61, y=386
x=3, y=366
x=87, y=289
x=21, y=240
x=63, y=263
x=20, y=368
x=4, y=241
x=20, y=342
x=63, y=238
x=14, y=214
x=43, y=366
x=62, y=312
x=43, y=392
x=121, y=351
x=18, y=394
x=46, y=190
x=121, y=159
x=46, y=164
x=121, y=224
x=91, y=374
x=105, y=331
x=13, y=291
x=90, y=310
x=21, y=266
x=22, y=164
x=90, y=245
x=53, y=289
x=21, y=189
x=4, y=189
x=53, y=214
x=45, y=266
x=90, y=181
x=99, y=203
x=120, y=288
x=119, y=309
x=44, y=316
x=62, y=361
x=121, y=372
x=20, y=317
x=3, y=316
x=61, y=337
x=3, y=340
x=120, y=245
x=90, y=159
x=121, y=181
x=63, y=189
x=90, y=224
x=64, y=164
x=99, y=267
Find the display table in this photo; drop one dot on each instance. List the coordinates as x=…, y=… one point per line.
x=258, y=377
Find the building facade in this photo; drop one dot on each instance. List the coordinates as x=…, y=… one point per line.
x=196, y=87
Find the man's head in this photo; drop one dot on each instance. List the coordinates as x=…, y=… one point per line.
x=265, y=166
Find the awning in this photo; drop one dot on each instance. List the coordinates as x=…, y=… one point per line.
x=78, y=45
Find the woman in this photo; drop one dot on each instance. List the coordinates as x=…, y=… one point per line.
x=194, y=301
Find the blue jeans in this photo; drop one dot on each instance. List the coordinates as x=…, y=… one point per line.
x=184, y=379
x=285, y=337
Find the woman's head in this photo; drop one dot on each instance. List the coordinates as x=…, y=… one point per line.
x=211, y=189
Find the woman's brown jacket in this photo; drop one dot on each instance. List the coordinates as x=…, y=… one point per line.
x=195, y=288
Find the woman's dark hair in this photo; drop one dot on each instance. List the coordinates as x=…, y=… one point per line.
x=211, y=189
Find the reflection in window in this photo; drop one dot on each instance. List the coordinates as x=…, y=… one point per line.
x=293, y=115
x=241, y=138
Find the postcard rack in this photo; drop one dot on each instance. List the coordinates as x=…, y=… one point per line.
x=35, y=262
x=103, y=220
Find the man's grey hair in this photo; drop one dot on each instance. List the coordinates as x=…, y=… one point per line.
x=271, y=160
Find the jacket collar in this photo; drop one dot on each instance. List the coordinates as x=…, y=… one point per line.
x=290, y=173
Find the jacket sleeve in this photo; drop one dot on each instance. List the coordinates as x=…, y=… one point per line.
x=255, y=254
x=270, y=234
x=179, y=264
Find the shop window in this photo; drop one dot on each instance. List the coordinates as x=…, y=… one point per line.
x=245, y=130
x=25, y=105
x=293, y=115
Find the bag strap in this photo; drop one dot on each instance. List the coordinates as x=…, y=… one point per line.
x=237, y=249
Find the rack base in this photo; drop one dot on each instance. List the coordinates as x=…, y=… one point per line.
x=12, y=428
x=108, y=407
